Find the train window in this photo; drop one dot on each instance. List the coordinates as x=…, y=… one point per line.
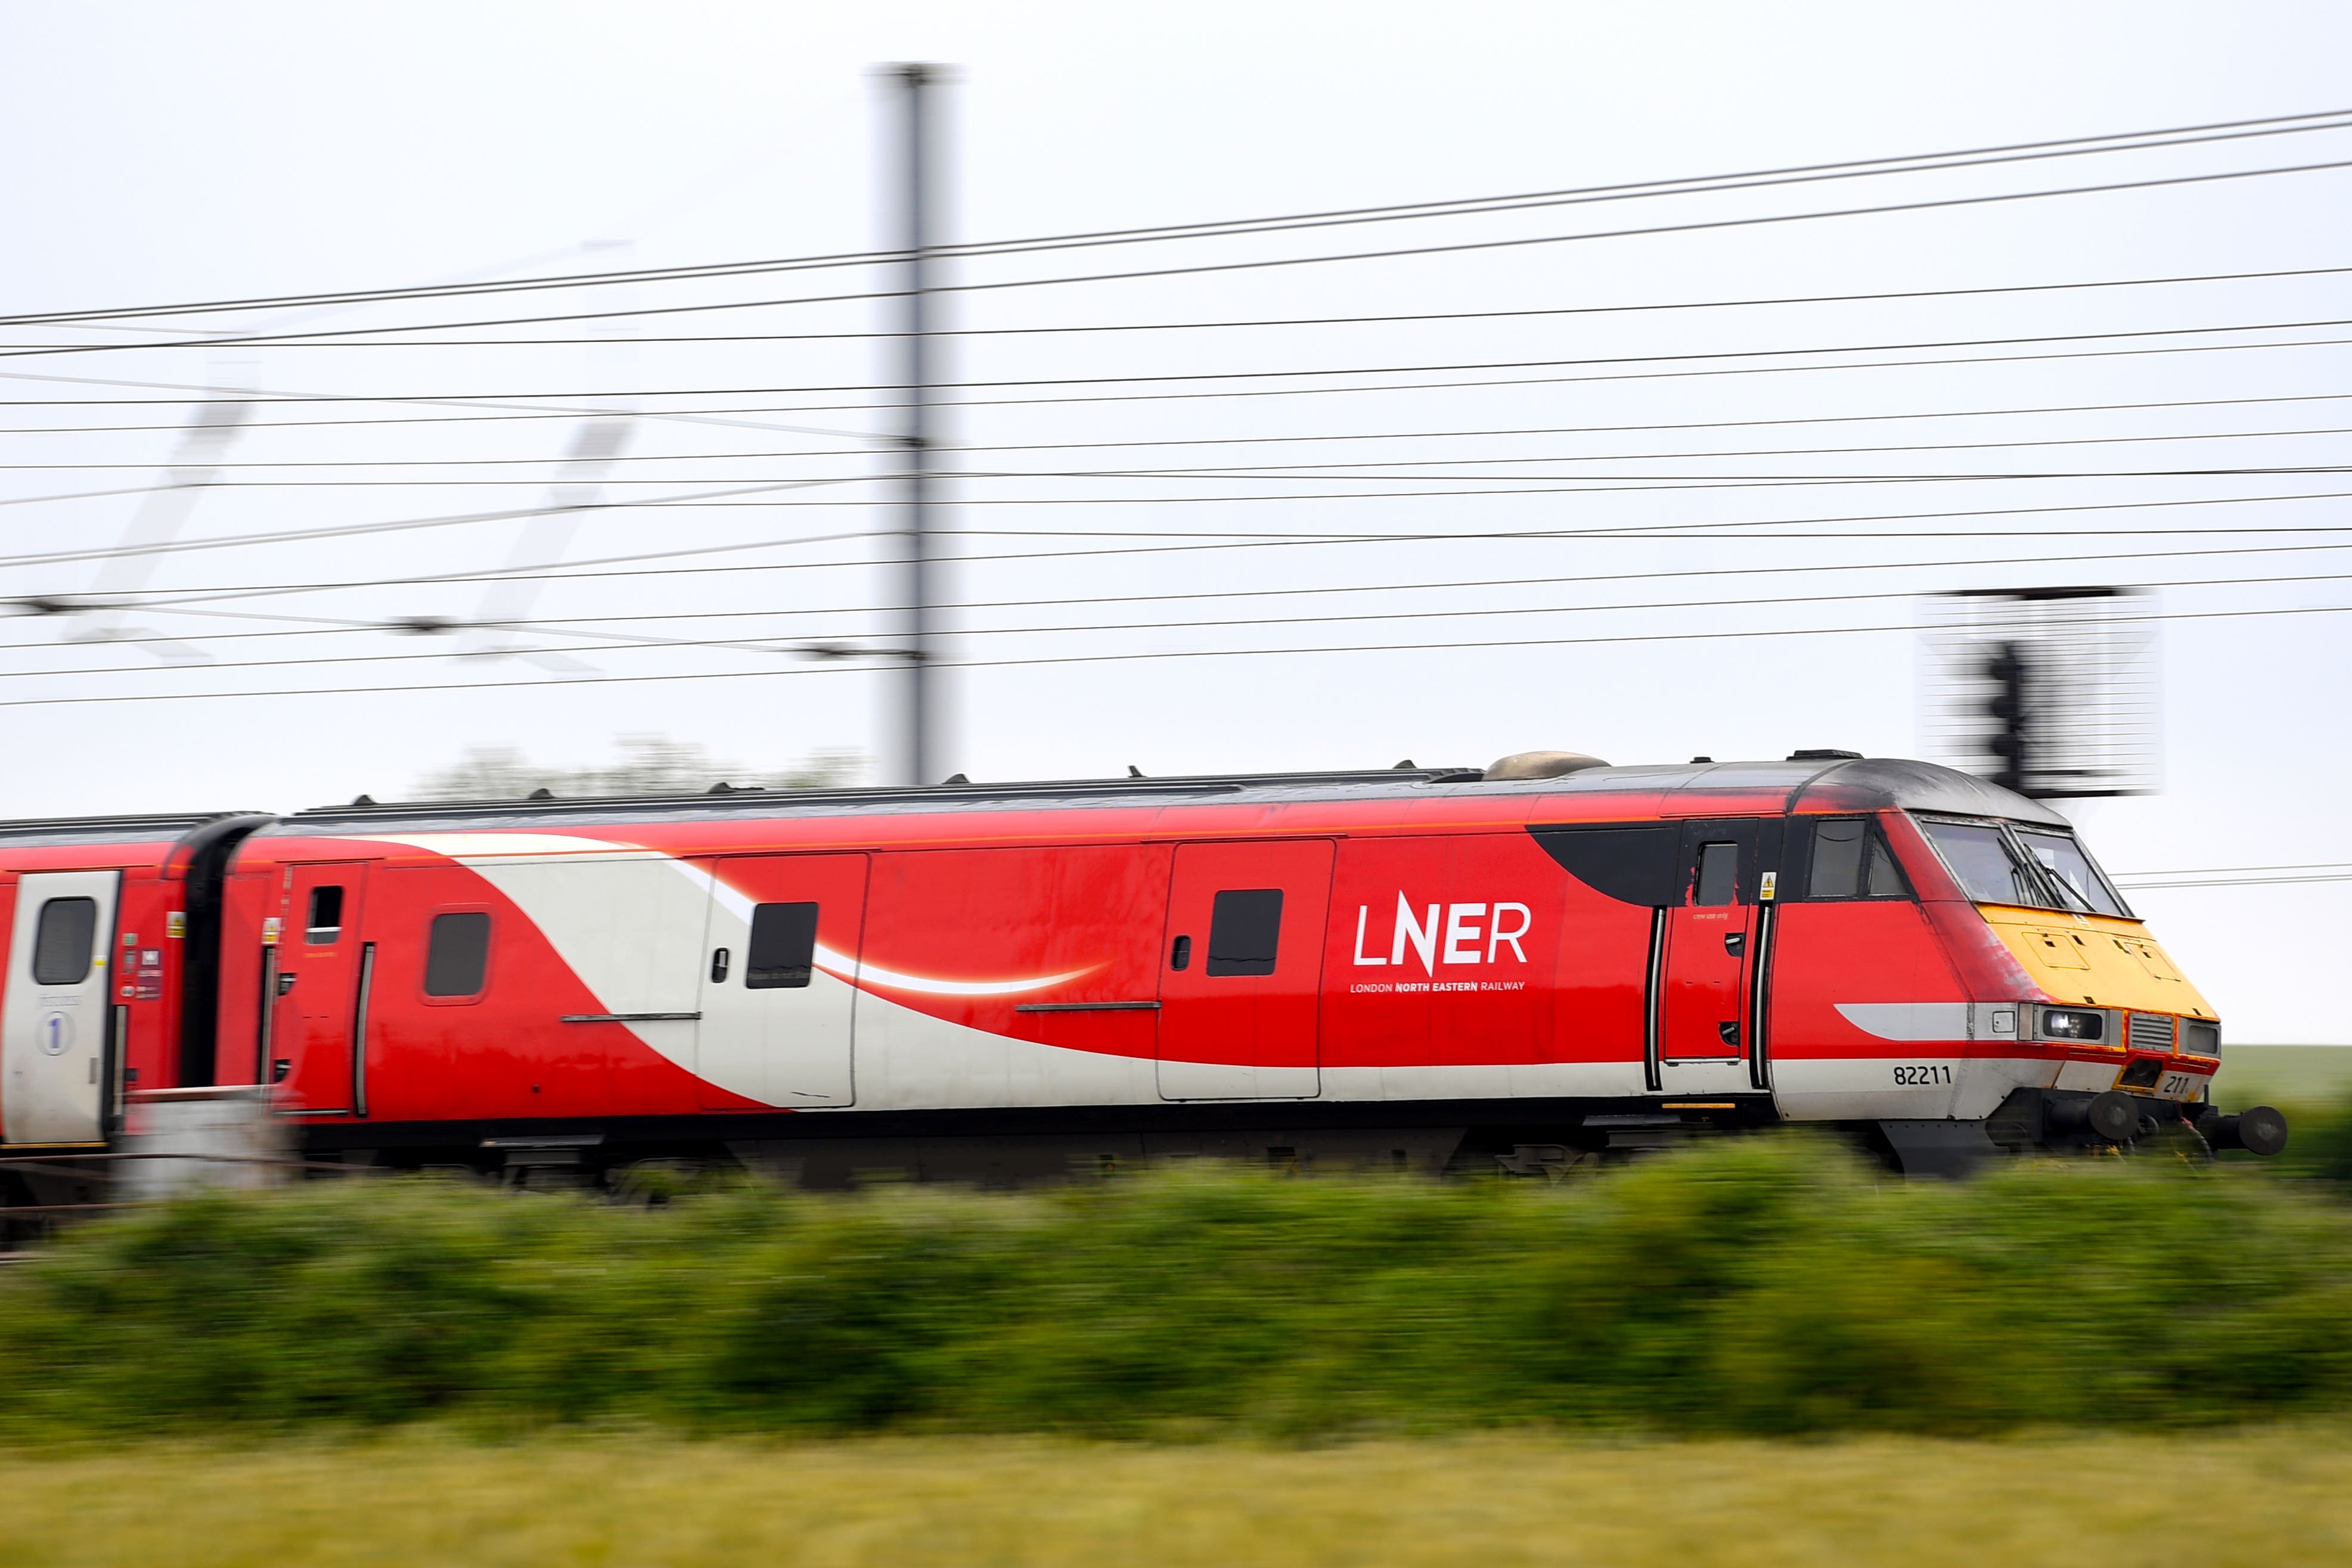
x=1886, y=878
x=63, y=941
x=2070, y=866
x=326, y=921
x=1980, y=859
x=783, y=947
x=1851, y=860
x=1245, y=929
x=1719, y=875
x=457, y=955
x=1839, y=846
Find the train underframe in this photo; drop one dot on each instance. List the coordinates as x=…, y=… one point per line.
x=651, y=1157
x=997, y=1148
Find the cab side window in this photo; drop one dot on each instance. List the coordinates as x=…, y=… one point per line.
x=1851, y=860
x=1716, y=881
x=324, y=922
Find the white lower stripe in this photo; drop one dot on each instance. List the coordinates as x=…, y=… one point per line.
x=1908, y=1020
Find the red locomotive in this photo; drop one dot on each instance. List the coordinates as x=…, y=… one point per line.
x=1408, y=967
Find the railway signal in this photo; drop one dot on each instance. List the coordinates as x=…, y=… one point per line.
x=2007, y=671
x=2050, y=692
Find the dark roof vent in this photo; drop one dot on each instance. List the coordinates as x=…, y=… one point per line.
x=1824, y=753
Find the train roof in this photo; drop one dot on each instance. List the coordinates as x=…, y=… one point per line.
x=167, y=828
x=1841, y=781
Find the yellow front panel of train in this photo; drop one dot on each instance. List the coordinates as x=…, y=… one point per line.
x=2096, y=960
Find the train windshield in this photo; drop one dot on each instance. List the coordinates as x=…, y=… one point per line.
x=2070, y=865
x=1981, y=860
x=2039, y=868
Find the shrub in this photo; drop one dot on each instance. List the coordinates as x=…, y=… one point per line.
x=1768, y=1286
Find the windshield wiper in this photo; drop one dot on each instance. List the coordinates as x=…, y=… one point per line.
x=2057, y=893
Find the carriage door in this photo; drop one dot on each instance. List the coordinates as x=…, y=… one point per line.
x=57, y=1026
x=779, y=980
x=1240, y=968
x=1703, y=1027
x=323, y=979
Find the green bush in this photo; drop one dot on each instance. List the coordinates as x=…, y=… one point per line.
x=1766, y=1286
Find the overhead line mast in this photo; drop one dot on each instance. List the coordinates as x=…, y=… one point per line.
x=920, y=744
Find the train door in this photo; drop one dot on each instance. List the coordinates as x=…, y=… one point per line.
x=779, y=984
x=628, y=927
x=1241, y=970
x=1705, y=1028
x=57, y=1024
x=319, y=1005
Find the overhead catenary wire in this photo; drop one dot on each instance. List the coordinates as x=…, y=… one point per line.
x=870, y=334
x=397, y=422
x=1575, y=482
x=2121, y=142
x=1259, y=477
x=101, y=494
x=2241, y=870
x=1250, y=469
x=582, y=681
x=631, y=396
x=1773, y=479
x=708, y=499
x=1226, y=267
x=405, y=525
x=2289, y=875
x=1234, y=393
x=342, y=626
x=315, y=626
x=638, y=565
x=2242, y=882
x=834, y=643
x=1426, y=368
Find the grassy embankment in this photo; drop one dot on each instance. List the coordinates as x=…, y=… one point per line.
x=309, y=1376
x=2277, y=1500
x=2311, y=1077
x=1770, y=1286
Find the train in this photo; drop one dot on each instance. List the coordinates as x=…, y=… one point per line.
x=1543, y=963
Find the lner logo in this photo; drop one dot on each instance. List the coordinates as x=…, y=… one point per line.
x=1471, y=933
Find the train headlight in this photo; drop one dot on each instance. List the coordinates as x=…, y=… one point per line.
x=2072, y=1024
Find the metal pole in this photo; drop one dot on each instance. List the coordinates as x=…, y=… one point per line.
x=922, y=751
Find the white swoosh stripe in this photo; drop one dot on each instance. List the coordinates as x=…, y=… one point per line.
x=506, y=849
x=1908, y=1021
x=869, y=975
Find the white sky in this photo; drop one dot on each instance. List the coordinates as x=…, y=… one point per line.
x=166, y=154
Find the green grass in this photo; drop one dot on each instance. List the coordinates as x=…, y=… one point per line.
x=2289, y=1076
x=2279, y=1499
x=1768, y=1286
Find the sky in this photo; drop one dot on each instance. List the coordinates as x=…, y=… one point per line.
x=1429, y=501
